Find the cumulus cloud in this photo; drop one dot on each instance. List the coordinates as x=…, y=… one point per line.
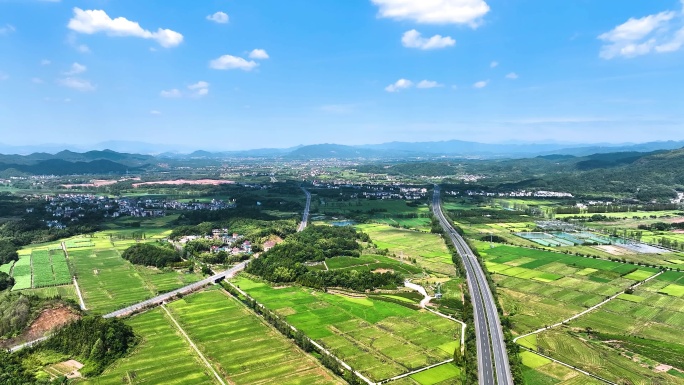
x=413, y=39
x=658, y=33
x=37, y=81
x=512, y=76
x=399, y=85
x=7, y=29
x=45, y=62
x=494, y=64
x=469, y=12
x=72, y=40
x=155, y=112
x=258, y=54
x=77, y=84
x=195, y=90
x=219, y=17
x=229, y=62
x=199, y=89
x=172, y=93
x=429, y=84
x=481, y=84
x=94, y=21
x=76, y=68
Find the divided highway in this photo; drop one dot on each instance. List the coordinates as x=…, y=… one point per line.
x=305, y=216
x=492, y=358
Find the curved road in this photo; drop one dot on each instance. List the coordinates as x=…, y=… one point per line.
x=305, y=216
x=492, y=358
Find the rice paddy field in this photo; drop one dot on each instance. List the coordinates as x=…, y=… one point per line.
x=109, y=282
x=541, y=288
x=428, y=249
x=163, y=356
x=242, y=348
x=377, y=338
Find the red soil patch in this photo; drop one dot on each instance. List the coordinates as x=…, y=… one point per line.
x=49, y=320
x=210, y=182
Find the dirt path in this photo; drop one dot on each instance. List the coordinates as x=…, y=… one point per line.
x=192, y=344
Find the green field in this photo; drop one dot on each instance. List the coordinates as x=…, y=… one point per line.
x=22, y=273
x=429, y=250
x=240, y=346
x=380, y=339
x=49, y=268
x=162, y=357
x=446, y=373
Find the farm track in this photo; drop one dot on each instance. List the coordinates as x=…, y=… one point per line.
x=565, y=321
x=192, y=345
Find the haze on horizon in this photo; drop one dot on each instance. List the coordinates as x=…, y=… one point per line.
x=255, y=74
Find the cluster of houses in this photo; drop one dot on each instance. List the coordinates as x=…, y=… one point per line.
x=71, y=207
x=514, y=194
x=231, y=243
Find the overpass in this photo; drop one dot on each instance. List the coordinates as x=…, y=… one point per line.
x=160, y=299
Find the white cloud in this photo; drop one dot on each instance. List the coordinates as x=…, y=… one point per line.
x=494, y=64
x=468, y=12
x=512, y=76
x=413, y=39
x=258, y=54
x=199, y=89
x=77, y=84
x=45, y=62
x=481, y=84
x=399, y=85
x=94, y=21
x=172, y=93
x=7, y=29
x=37, y=81
x=76, y=68
x=155, y=112
x=219, y=17
x=229, y=62
x=429, y=84
x=660, y=33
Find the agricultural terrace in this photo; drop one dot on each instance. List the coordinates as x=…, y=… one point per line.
x=541, y=288
x=378, y=338
x=108, y=282
x=241, y=347
x=162, y=356
x=428, y=250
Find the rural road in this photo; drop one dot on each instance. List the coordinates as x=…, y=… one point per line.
x=305, y=216
x=488, y=331
x=158, y=300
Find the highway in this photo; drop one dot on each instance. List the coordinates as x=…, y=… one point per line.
x=305, y=216
x=492, y=358
x=158, y=300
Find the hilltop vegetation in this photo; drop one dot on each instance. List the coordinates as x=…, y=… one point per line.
x=286, y=262
x=147, y=254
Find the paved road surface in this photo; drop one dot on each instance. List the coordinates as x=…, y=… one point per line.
x=488, y=331
x=183, y=290
x=305, y=216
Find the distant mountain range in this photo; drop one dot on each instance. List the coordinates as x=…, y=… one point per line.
x=397, y=150
x=107, y=161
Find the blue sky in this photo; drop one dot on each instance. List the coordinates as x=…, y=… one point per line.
x=238, y=74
